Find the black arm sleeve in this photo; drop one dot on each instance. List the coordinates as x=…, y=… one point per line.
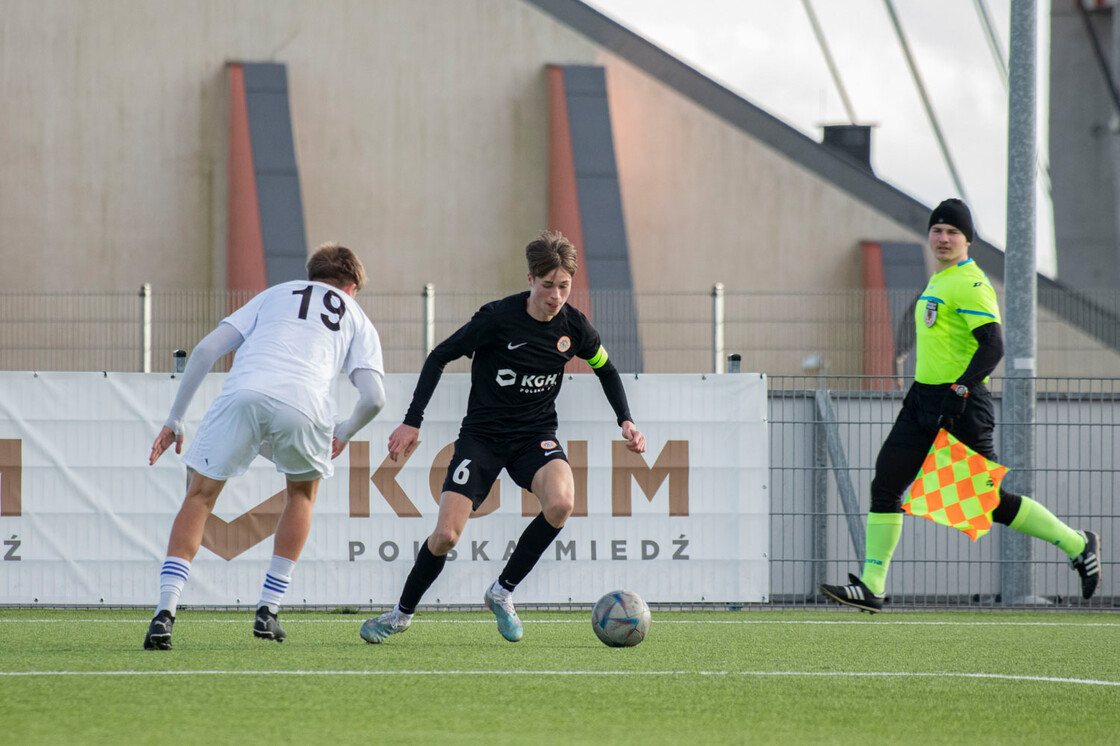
x=611, y=382
x=904, y=335
x=463, y=342
x=987, y=355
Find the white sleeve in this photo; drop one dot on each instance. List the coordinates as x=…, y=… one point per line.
x=371, y=399
x=219, y=342
x=365, y=350
x=244, y=319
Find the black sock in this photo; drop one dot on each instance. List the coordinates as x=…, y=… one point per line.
x=427, y=568
x=536, y=538
x=1008, y=507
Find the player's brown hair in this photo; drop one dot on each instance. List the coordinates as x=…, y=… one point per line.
x=336, y=265
x=550, y=251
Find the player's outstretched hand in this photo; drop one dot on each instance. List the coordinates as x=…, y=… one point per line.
x=635, y=441
x=403, y=441
x=163, y=441
x=337, y=447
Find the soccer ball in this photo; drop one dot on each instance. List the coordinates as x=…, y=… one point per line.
x=620, y=619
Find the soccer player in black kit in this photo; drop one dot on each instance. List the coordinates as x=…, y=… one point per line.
x=519, y=346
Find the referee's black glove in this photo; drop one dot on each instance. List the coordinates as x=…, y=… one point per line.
x=952, y=407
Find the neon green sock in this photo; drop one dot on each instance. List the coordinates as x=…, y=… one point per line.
x=883, y=532
x=1033, y=519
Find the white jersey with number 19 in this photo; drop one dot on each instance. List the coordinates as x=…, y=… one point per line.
x=298, y=336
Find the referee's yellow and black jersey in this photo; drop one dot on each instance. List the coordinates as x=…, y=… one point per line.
x=957, y=300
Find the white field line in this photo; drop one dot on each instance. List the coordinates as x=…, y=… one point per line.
x=833, y=674
x=353, y=618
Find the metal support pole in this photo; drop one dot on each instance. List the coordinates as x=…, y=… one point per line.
x=842, y=473
x=1041, y=162
x=1021, y=300
x=146, y=328
x=429, y=319
x=819, y=505
x=717, y=328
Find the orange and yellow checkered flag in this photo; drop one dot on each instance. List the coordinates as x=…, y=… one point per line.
x=956, y=487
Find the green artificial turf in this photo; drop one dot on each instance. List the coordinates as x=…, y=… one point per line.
x=700, y=677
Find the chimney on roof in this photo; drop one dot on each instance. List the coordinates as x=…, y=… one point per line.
x=853, y=140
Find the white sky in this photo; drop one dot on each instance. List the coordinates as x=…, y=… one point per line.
x=765, y=50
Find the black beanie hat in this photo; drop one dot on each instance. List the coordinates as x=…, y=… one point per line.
x=955, y=213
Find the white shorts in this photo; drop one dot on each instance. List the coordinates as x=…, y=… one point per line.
x=238, y=425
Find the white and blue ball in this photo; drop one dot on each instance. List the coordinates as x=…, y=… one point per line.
x=621, y=619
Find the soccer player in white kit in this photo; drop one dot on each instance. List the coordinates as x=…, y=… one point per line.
x=291, y=341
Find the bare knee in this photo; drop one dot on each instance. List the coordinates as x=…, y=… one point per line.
x=558, y=509
x=443, y=540
x=197, y=500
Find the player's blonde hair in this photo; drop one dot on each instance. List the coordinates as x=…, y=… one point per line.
x=550, y=251
x=336, y=265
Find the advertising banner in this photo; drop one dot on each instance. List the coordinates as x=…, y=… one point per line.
x=85, y=520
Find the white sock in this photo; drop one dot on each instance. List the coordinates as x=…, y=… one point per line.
x=499, y=590
x=276, y=582
x=172, y=578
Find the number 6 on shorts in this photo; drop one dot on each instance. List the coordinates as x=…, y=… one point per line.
x=462, y=474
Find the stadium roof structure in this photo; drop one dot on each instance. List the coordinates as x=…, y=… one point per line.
x=829, y=163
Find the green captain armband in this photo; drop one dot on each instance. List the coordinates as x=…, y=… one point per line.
x=599, y=359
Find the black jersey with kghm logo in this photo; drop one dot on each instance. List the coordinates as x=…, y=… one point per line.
x=517, y=369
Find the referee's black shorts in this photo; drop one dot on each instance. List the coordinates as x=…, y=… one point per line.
x=913, y=432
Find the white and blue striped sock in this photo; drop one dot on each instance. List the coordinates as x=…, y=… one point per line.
x=172, y=578
x=276, y=582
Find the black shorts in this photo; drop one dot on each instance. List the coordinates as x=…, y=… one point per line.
x=479, y=460
x=909, y=440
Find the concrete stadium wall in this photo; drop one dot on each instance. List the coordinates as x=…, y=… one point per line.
x=1081, y=149
x=421, y=140
x=420, y=137
x=707, y=203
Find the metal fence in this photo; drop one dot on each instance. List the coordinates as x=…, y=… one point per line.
x=779, y=333
x=826, y=428
x=823, y=446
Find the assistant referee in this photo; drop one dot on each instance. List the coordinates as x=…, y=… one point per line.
x=959, y=342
